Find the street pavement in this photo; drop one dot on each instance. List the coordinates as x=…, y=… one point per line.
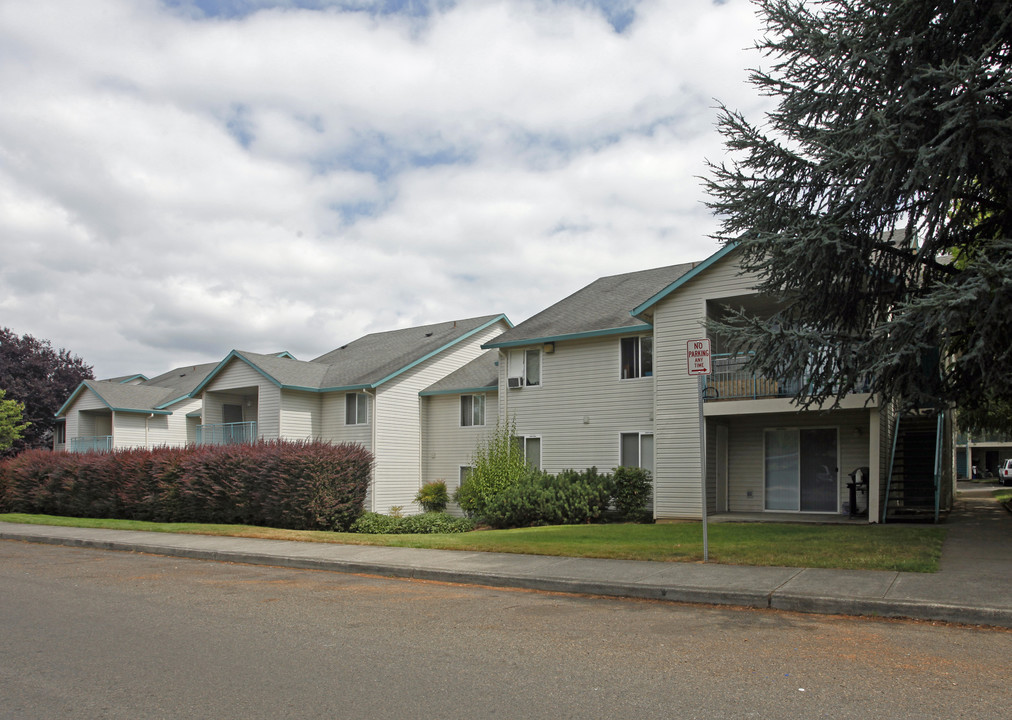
x=973, y=584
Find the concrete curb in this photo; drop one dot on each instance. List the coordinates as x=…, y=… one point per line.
x=779, y=598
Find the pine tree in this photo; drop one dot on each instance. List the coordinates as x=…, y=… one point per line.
x=876, y=201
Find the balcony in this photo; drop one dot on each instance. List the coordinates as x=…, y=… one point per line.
x=730, y=381
x=94, y=443
x=238, y=433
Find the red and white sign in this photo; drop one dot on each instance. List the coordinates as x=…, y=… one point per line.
x=698, y=354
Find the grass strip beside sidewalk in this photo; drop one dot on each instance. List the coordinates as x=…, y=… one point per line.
x=849, y=547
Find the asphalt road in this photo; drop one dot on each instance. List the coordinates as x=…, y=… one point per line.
x=94, y=634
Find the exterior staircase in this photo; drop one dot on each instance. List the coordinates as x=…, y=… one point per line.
x=913, y=486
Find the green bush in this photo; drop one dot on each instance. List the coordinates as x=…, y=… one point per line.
x=433, y=496
x=540, y=498
x=631, y=493
x=497, y=465
x=425, y=524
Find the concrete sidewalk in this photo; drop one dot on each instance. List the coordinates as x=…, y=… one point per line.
x=973, y=586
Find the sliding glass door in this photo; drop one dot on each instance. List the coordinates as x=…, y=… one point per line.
x=801, y=469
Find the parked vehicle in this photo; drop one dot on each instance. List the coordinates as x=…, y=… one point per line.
x=1005, y=472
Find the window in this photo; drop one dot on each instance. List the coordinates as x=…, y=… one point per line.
x=637, y=357
x=355, y=409
x=525, y=367
x=472, y=410
x=465, y=473
x=530, y=445
x=637, y=451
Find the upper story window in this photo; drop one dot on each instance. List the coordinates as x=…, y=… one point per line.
x=524, y=368
x=356, y=409
x=530, y=446
x=472, y=410
x=637, y=357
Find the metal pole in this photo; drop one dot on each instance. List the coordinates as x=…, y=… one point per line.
x=702, y=466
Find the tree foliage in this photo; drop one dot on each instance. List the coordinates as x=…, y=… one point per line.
x=40, y=378
x=11, y=426
x=886, y=156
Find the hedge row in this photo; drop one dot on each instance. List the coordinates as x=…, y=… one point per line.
x=297, y=485
x=569, y=498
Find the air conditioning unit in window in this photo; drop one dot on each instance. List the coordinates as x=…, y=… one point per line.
x=515, y=382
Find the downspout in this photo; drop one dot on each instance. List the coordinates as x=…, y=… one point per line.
x=147, y=445
x=375, y=455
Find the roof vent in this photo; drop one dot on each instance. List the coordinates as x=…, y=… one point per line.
x=428, y=334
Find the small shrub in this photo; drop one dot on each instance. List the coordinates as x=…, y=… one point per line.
x=396, y=511
x=497, y=465
x=427, y=523
x=433, y=496
x=540, y=498
x=631, y=493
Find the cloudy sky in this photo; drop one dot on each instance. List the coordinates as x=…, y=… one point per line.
x=179, y=178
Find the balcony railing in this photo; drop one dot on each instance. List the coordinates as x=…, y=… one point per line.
x=240, y=433
x=730, y=381
x=94, y=443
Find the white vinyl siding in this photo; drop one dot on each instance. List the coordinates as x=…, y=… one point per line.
x=333, y=410
x=397, y=422
x=678, y=319
x=300, y=415
x=582, y=406
x=447, y=445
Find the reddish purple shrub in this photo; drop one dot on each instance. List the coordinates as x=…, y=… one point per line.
x=300, y=485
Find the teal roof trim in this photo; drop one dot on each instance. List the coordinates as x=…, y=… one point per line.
x=73, y=396
x=628, y=330
x=435, y=352
x=84, y=384
x=173, y=401
x=720, y=254
x=460, y=391
x=133, y=377
x=218, y=368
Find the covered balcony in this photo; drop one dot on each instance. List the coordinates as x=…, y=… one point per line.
x=234, y=433
x=91, y=443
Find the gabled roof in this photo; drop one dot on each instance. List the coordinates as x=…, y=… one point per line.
x=284, y=372
x=479, y=375
x=365, y=363
x=601, y=308
x=126, y=378
x=123, y=398
x=379, y=357
x=152, y=395
x=641, y=310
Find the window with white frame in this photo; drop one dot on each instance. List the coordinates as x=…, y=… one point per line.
x=530, y=446
x=472, y=410
x=637, y=450
x=356, y=409
x=524, y=368
x=465, y=473
x=637, y=357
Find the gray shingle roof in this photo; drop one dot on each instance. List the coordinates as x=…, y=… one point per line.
x=181, y=380
x=603, y=305
x=375, y=357
x=482, y=373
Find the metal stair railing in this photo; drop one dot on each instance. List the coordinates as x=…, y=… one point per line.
x=892, y=463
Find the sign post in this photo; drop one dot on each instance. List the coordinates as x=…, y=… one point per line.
x=697, y=353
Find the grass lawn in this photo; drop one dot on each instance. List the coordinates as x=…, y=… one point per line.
x=857, y=547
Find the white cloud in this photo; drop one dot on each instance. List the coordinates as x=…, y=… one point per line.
x=175, y=185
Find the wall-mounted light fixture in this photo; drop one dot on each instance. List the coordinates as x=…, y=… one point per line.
x=549, y=348
x=586, y=419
